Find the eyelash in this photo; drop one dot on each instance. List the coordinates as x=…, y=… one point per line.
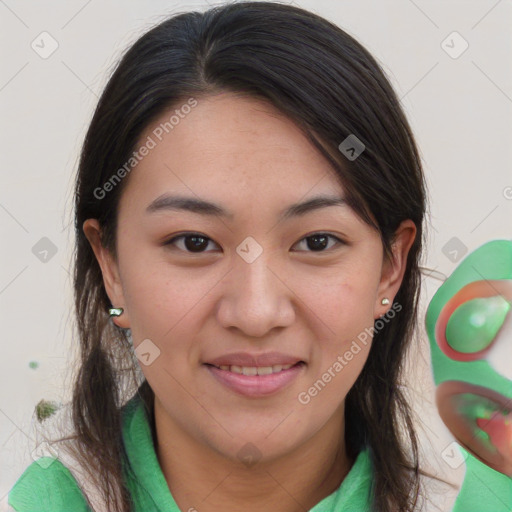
x=190, y=234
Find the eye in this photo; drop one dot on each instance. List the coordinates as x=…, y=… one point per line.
x=196, y=242
x=193, y=242
x=317, y=242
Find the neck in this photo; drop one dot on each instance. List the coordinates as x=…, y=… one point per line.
x=199, y=478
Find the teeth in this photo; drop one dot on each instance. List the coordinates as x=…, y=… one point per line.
x=264, y=370
x=253, y=370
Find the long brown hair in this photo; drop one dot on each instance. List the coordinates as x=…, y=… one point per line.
x=331, y=87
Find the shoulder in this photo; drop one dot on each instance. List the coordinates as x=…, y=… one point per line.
x=61, y=484
x=47, y=485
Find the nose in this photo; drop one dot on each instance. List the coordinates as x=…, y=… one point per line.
x=255, y=298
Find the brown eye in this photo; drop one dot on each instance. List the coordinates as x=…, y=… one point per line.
x=192, y=242
x=197, y=243
x=317, y=242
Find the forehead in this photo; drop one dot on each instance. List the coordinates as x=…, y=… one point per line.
x=229, y=145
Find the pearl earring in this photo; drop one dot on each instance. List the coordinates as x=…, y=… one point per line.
x=115, y=311
x=384, y=301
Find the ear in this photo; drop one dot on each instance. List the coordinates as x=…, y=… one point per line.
x=109, y=269
x=393, y=269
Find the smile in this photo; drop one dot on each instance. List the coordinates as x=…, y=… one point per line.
x=255, y=370
x=256, y=381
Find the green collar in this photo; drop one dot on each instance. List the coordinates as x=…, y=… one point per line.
x=151, y=486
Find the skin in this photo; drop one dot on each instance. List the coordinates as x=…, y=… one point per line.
x=241, y=153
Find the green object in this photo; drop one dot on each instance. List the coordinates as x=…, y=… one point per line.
x=33, y=364
x=491, y=261
x=470, y=329
x=475, y=323
x=476, y=407
x=44, y=409
x=483, y=489
x=55, y=490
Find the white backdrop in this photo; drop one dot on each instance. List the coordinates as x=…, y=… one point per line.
x=456, y=89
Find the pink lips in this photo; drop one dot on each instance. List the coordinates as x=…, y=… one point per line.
x=256, y=385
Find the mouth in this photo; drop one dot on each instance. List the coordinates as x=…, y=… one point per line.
x=256, y=381
x=256, y=370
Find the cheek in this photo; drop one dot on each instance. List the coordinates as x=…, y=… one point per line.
x=344, y=306
x=330, y=381
x=161, y=297
x=342, y=342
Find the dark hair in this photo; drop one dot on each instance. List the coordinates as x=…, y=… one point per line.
x=331, y=87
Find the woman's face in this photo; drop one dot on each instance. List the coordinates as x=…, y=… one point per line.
x=255, y=288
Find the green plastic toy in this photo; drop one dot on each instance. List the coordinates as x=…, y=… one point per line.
x=469, y=325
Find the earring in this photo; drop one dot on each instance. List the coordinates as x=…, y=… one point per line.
x=115, y=311
x=384, y=301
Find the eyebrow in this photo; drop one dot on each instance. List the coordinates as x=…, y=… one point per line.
x=168, y=202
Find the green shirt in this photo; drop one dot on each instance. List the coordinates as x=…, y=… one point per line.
x=54, y=489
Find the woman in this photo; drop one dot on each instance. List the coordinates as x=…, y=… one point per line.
x=249, y=208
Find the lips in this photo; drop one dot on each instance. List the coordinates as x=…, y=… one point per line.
x=256, y=386
x=256, y=375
